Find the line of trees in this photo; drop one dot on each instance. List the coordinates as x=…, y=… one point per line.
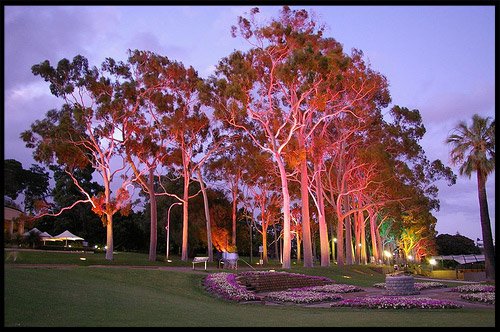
x=294, y=123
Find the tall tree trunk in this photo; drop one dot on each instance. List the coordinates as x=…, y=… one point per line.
x=380, y=245
x=373, y=236
x=306, y=220
x=185, y=220
x=364, y=258
x=153, y=233
x=264, y=243
x=235, y=193
x=207, y=217
x=323, y=231
x=287, y=245
x=109, y=236
x=340, y=236
x=357, y=237
x=348, y=236
x=489, y=252
x=299, y=244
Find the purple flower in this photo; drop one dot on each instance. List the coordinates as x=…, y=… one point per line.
x=476, y=288
x=396, y=302
x=224, y=285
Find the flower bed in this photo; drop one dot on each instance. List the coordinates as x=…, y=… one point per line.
x=396, y=302
x=486, y=297
x=224, y=285
x=302, y=296
x=418, y=285
x=473, y=288
x=334, y=288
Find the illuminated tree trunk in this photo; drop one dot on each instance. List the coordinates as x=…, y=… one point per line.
x=207, y=218
x=348, y=236
x=286, y=215
x=364, y=258
x=323, y=231
x=109, y=237
x=185, y=215
x=380, y=245
x=299, y=244
x=340, y=236
x=235, y=194
x=373, y=236
x=264, y=238
x=306, y=221
x=357, y=238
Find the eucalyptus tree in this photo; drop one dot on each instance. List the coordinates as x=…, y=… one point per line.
x=473, y=149
x=91, y=127
x=147, y=149
x=287, y=84
x=190, y=128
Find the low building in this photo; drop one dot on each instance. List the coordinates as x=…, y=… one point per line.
x=12, y=223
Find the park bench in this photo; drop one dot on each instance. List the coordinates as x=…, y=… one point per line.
x=200, y=260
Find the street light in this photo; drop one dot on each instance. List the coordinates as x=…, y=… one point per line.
x=388, y=255
x=168, y=225
x=433, y=262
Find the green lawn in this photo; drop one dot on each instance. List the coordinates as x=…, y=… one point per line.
x=83, y=296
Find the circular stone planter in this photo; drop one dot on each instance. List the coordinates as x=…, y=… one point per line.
x=399, y=285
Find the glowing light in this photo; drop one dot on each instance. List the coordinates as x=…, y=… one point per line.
x=169, y=260
x=410, y=257
x=359, y=244
x=83, y=258
x=387, y=254
x=432, y=261
x=347, y=277
x=95, y=247
x=106, y=247
x=334, y=239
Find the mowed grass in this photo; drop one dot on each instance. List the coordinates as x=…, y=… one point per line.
x=86, y=296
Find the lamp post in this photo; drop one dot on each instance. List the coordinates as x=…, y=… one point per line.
x=168, y=225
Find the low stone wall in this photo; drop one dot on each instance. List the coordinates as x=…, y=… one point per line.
x=400, y=285
x=269, y=282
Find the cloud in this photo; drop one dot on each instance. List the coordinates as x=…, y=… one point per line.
x=34, y=34
x=150, y=42
x=444, y=107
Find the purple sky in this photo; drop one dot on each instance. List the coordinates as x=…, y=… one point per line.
x=438, y=59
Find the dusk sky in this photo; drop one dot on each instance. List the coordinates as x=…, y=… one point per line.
x=437, y=59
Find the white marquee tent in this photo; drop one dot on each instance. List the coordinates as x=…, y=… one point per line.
x=43, y=235
x=65, y=236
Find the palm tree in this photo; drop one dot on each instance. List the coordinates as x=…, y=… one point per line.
x=473, y=148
